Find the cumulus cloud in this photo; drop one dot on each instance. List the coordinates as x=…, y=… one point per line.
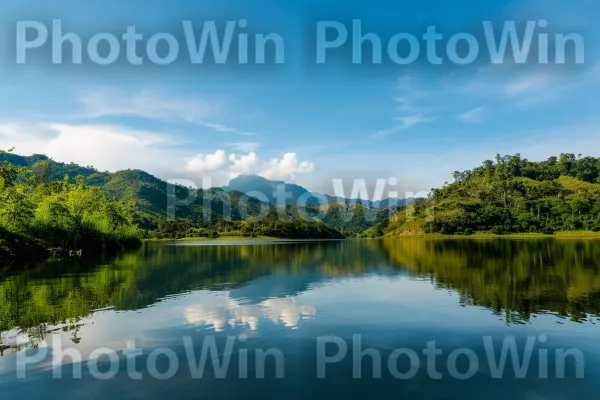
x=288, y=166
x=207, y=163
x=233, y=165
x=113, y=148
x=103, y=146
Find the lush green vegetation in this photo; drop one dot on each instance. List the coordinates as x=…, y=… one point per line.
x=39, y=217
x=202, y=212
x=510, y=195
x=351, y=219
x=207, y=213
x=43, y=214
x=292, y=228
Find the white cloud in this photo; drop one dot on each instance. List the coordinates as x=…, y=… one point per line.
x=207, y=163
x=288, y=166
x=115, y=148
x=527, y=83
x=405, y=123
x=526, y=89
x=244, y=164
x=534, y=88
x=233, y=165
x=475, y=115
x=145, y=103
x=105, y=147
x=154, y=104
x=245, y=147
x=408, y=83
x=386, y=131
x=411, y=120
x=413, y=99
x=413, y=95
x=420, y=171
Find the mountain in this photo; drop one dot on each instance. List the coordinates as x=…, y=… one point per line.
x=153, y=200
x=267, y=190
x=151, y=197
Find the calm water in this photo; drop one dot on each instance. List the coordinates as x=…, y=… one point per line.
x=294, y=300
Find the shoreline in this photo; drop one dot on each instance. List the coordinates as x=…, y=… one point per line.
x=489, y=235
x=242, y=239
x=477, y=235
x=215, y=239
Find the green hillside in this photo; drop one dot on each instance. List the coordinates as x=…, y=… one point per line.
x=40, y=216
x=510, y=195
x=48, y=211
x=208, y=212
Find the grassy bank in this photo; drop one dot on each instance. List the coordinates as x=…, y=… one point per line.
x=477, y=235
x=489, y=235
x=216, y=239
x=40, y=218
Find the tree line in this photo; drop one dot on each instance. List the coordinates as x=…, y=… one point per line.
x=508, y=195
x=40, y=217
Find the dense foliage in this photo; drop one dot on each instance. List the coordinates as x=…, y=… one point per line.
x=291, y=228
x=39, y=217
x=42, y=214
x=510, y=195
x=211, y=212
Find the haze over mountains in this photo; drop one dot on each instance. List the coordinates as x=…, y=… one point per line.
x=266, y=190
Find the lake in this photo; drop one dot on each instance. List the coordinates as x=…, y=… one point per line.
x=400, y=318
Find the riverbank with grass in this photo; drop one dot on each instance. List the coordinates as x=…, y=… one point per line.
x=217, y=239
x=490, y=235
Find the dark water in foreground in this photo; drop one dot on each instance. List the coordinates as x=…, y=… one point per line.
x=301, y=310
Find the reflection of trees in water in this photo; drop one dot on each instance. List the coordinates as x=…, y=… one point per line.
x=59, y=293
x=513, y=278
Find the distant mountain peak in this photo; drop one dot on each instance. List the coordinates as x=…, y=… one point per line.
x=268, y=189
x=251, y=184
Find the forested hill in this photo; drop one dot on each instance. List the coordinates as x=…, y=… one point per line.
x=152, y=200
x=508, y=195
x=42, y=215
x=149, y=196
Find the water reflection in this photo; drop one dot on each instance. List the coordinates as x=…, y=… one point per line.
x=248, y=284
x=511, y=277
x=228, y=312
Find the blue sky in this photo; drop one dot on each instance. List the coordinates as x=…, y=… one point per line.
x=299, y=121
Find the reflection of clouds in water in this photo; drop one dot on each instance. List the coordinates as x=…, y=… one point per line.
x=287, y=311
x=223, y=311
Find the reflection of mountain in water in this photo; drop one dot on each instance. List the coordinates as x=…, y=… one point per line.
x=514, y=278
